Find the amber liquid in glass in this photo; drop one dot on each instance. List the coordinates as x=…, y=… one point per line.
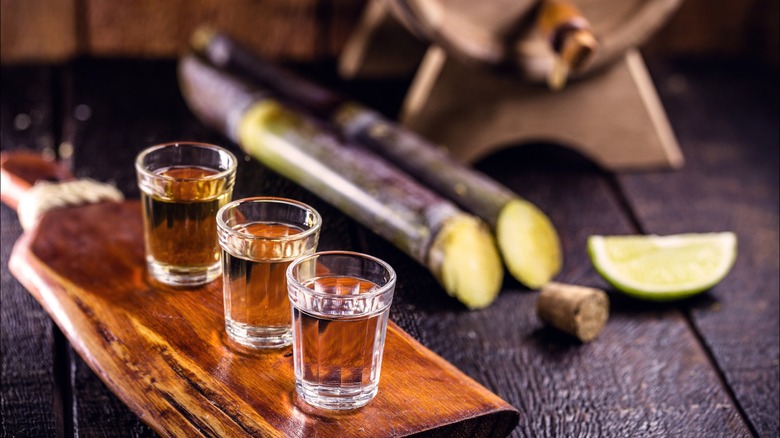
x=257, y=310
x=339, y=355
x=181, y=228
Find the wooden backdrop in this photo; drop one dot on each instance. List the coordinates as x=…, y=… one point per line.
x=310, y=30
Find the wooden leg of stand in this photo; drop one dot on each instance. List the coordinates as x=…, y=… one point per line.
x=614, y=117
x=380, y=46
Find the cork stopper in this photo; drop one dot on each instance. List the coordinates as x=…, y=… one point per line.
x=577, y=310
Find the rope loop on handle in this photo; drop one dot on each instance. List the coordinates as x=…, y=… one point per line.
x=45, y=196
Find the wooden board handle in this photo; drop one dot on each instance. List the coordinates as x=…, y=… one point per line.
x=20, y=170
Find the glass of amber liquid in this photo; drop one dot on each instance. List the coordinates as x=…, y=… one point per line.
x=340, y=304
x=183, y=185
x=260, y=237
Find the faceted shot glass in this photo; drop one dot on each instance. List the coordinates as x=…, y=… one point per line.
x=183, y=185
x=340, y=304
x=260, y=237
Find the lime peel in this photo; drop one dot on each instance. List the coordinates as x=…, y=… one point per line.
x=663, y=268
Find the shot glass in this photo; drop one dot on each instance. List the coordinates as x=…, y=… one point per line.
x=340, y=304
x=260, y=237
x=183, y=185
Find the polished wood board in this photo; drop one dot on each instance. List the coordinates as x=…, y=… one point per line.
x=164, y=353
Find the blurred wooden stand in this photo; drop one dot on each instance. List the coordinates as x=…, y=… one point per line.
x=613, y=115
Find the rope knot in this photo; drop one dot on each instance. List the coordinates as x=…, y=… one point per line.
x=46, y=196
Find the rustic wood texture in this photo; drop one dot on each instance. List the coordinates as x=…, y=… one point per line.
x=55, y=30
x=734, y=29
x=31, y=404
x=31, y=400
x=125, y=26
x=38, y=30
x=60, y=29
x=730, y=184
x=652, y=372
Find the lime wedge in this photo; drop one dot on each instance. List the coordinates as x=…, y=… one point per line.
x=663, y=268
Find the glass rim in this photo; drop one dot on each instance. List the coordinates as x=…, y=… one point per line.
x=222, y=225
x=139, y=167
x=371, y=294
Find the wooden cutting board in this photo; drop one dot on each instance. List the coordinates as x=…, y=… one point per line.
x=164, y=353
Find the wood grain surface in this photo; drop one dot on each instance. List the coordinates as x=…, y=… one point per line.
x=730, y=184
x=56, y=30
x=32, y=400
x=706, y=367
x=163, y=352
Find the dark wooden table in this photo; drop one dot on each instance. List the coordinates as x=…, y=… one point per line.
x=708, y=366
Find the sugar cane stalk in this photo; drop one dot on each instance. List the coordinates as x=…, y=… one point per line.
x=455, y=246
x=526, y=238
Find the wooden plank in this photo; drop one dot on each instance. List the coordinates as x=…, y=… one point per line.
x=277, y=28
x=29, y=406
x=31, y=400
x=37, y=30
x=725, y=116
x=699, y=29
x=57, y=30
x=96, y=410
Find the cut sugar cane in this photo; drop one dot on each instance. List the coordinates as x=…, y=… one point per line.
x=455, y=246
x=526, y=238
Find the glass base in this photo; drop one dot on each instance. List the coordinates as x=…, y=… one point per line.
x=335, y=398
x=258, y=337
x=183, y=277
